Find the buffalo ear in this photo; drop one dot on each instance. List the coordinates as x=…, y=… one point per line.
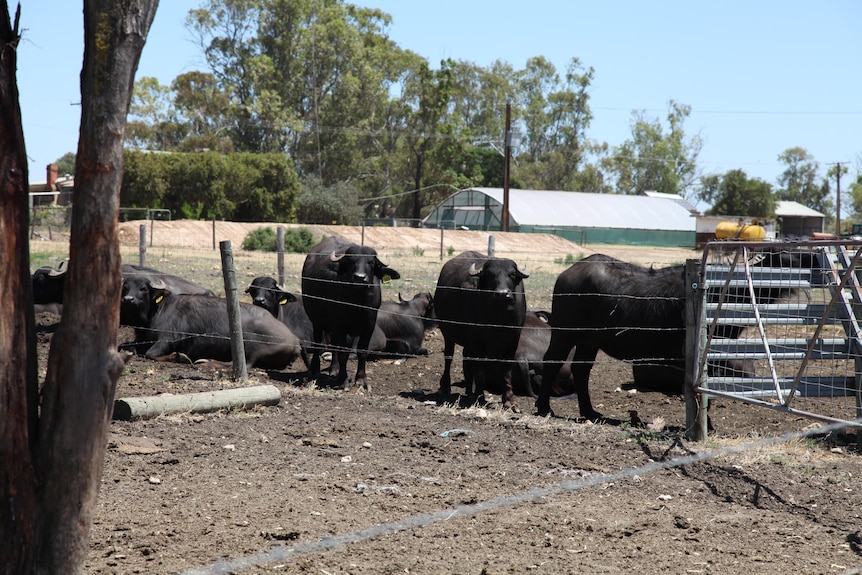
x=386, y=274
x=285, y=298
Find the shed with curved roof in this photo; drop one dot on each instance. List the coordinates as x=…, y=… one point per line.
x=577, y=216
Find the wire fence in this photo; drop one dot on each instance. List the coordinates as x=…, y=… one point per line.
x=823, y=382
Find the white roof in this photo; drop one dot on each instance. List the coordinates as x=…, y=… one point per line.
x=578, y=209
x=786, y=208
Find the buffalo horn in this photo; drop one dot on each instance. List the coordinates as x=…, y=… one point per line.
x=474, y=271
x=525, y=272
x=57, y=272
x=335, y=256
x=158, y=284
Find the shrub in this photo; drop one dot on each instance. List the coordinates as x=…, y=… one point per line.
x=260, y=239
x=298, y=240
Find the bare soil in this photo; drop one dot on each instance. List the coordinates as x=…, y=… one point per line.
x=397, y=481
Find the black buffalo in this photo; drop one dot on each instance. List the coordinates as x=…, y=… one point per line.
x=631, y=313
x=49, y=283
x=341, y=295
x=404, y=322
x=529, y=358
x=197, y=326
x=285, y=306
x=480, y=305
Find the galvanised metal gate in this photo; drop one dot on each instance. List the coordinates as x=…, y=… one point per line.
x=775, y=324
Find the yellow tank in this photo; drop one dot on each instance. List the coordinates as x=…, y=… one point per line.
x=739, y=231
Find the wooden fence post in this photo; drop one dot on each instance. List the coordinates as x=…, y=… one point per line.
x=279, y=247
x=237, y=347
x=142, y=245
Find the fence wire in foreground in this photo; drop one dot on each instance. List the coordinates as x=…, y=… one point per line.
x=282, y=553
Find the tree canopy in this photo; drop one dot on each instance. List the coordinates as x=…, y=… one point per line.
x=734, y=193
x=321, y=82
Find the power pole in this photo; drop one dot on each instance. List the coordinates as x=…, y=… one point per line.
x=838, y=199
x=508, y=156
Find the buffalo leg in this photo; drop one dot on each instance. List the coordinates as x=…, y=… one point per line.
x=361, y=380
x=446, y=379
x=556, y=354
x=342, y=346
x=314, y=366
x=582, y=363
x=508, y=396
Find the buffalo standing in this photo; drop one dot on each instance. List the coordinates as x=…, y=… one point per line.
x=341, y=295
x=631, y=313
x=480, y=304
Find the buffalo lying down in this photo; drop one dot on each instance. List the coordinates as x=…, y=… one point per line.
x=529, y=358
x=197, y=326
x=404, y=322
x=631, y=313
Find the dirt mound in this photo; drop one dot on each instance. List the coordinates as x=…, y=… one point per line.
x=208, y=234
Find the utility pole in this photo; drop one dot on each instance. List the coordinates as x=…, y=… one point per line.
x=508, y=156
x=838, y=199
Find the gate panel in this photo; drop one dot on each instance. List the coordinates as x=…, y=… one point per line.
x=777, y=327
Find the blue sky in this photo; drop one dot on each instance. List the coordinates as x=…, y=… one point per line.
x=760, y=76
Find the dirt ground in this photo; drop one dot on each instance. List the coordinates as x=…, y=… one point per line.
x=395, y=481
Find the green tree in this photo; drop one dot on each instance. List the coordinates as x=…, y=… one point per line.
x=305, y=77
x=655, y=160
x=429, y=131
x=246, y=187
x=799, y=182
x=201, y=105
x=152, y=123
x=66, y=164
x=555, y=117
x=855, y=192
x=735, y=194
x=337, y=204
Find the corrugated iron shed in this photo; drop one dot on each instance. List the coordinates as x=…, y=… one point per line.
x=786, y=208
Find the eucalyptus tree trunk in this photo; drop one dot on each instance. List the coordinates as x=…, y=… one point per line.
x=53, y=452
x=18, y=379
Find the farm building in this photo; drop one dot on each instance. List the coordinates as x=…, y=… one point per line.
x=796, y=220
x=792, y=220
x=579, y=217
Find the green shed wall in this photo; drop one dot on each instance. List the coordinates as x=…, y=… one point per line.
x=670, y=238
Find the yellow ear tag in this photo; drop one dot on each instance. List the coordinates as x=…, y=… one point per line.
x=159, y=299
x=386, y=279
x=283, y=301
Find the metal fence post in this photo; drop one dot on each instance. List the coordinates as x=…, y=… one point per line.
x=237, y=347
x=491, y=250
x=696, y=423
